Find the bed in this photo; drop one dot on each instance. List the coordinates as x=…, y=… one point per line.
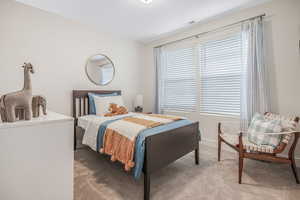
x=161, y=147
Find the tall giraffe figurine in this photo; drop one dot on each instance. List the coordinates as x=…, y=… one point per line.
x=22, y=98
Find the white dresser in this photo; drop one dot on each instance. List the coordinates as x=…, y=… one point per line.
x=36, y=159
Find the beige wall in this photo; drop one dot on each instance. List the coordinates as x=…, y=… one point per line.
x=58, y=49
x=283, y=58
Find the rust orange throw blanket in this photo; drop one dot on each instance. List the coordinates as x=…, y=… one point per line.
x=119, y=138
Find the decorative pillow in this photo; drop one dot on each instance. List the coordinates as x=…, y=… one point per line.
x=102, y=104
x=260, y=125
x=92, y=108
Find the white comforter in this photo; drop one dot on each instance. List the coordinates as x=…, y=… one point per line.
x=91, y=124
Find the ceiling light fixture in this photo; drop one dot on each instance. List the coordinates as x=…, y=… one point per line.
x=146, y=1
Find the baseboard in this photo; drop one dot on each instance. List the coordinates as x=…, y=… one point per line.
x=214, y=144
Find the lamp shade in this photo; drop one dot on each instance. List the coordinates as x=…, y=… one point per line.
x=138, y=101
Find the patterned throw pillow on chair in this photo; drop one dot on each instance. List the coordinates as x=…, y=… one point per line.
x=260, y=125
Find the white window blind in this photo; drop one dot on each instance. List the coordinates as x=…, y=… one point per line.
x=203, y=75
x=178, y=80
x=220, y=63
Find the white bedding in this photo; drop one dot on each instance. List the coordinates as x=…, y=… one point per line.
x=91, y=124
x=84, y=120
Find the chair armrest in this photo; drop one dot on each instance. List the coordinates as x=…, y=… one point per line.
x=230, y=122
x=280, y=133
x=241, y=145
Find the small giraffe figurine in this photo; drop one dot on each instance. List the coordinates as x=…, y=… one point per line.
x=22, y=98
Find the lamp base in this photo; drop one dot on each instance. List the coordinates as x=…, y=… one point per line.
x=138, y=109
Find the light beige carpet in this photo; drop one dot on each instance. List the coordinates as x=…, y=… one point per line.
x=96, y=178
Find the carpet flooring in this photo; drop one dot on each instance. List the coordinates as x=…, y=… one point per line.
x=96, y=178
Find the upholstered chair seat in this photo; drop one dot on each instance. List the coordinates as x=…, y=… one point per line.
x=248, y=146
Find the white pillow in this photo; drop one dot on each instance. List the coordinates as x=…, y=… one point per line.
x=102, y=103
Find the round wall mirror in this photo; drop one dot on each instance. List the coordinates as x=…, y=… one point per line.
x=100, y=69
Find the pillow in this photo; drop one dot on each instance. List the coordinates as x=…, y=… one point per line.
x=260, y=125
x=102, y=103
x=92, y=108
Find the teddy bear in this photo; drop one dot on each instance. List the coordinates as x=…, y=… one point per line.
x=114, y=109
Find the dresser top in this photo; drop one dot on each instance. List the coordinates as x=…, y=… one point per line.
x=51, y=117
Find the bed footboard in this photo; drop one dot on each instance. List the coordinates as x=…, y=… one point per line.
x=165, y=148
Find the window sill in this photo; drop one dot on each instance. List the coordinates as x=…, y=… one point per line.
x=178, y=111
x=220, y=115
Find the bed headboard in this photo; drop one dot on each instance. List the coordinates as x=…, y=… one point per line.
x=81, y=103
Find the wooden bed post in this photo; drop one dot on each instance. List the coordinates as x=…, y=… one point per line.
x=75, y=135
x=197, y=156
x=197, y=152
x=75, y=120
x=146, y=173
x=146, y=186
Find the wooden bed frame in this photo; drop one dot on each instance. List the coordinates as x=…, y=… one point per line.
x=160, y=149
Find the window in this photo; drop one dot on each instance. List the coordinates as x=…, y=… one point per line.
x=178, y=80
x=204, y=76
x=220, y=63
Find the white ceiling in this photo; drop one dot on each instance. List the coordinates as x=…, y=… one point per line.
x=135, y=20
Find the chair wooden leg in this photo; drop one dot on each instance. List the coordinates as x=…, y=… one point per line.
x=292, y=157
x=294, y=169
x=219, y=141
x=219, y=148
x=241, y=165
x=241, y=157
